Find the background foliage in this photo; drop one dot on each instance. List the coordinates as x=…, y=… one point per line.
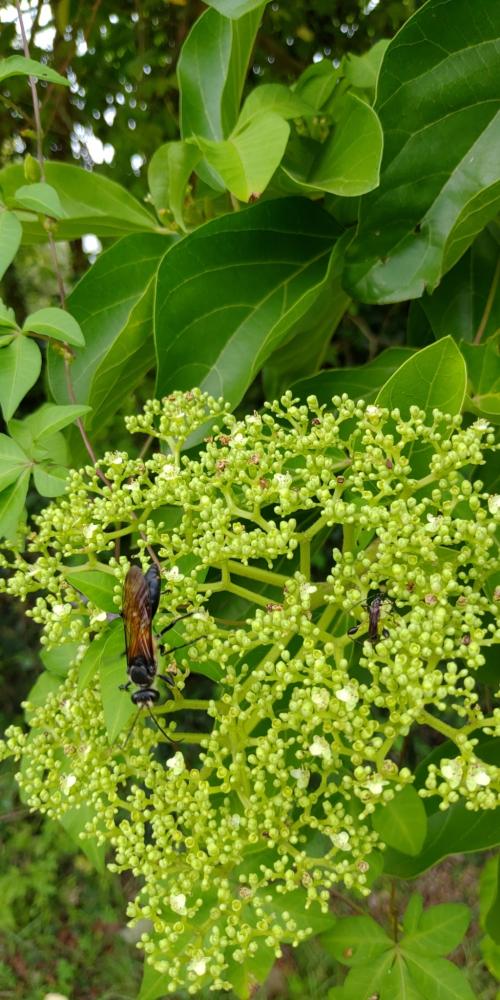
x=247, y=198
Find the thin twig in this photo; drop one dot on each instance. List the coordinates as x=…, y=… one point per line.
x=489, y=305
x=52, y=245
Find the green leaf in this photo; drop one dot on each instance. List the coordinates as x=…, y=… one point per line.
x=490, y=899
x=247, y=160
x=90, y=662
x=20, y=66
x=455, y=831
x=270, y=261
x=317, y=83
x=50, y=479
x=90, y=203
x=361, y=382
x=307, y=341
x=20, y=366
x=117, y=706
x=362, y=71
x=154, y=984
x=113, y=303
x=491, y=956
x=440, y=175
x=7, y=317
x=47, y=683
x=97, y=585
x=434, y=377
x=274, y=97
x=348, y=162
x=402, y=822
x=356, y=940
x=483, y=369
x=363, y=981
x=74, y=822
x=55, y=323
x=59, y=659
x=234, y=8
x=168, y=174
x=12, y=506
x=437, y=979
x=211, y=73
x=50, y=418
x=42, y=198
x=10, y=239
x=12, y=461
x=439, y=931
x=466, y=303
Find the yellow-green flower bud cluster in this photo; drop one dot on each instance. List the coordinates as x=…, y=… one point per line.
x=266, y=804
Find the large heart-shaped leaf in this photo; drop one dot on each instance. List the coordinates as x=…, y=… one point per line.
x=229, y=293
x=437, y=100
x=247, y=160
x=348, y=162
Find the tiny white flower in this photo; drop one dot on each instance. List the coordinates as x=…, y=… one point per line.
x=235, y=821
x=282, y=479
x=372, y=412
x=67, y=782
x=320, y=748
x=116, y=459
x=174, y=574
x=238, y=439
x=176, y=763
x=59, y=610
x=494, y=503
x=169, y=471
x=348, y=695
x=433, y=522
x=100, y=617
x=476, y=775
x=90, y=530
x=306, y=589
x=452, y=772
x=341, y=840
x=301, y=775
x=482, y=425
x=198, y=966
x=320, y=697
x=178, y=903
x=375, y=785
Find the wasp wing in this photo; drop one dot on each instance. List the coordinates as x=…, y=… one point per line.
x=137, y=616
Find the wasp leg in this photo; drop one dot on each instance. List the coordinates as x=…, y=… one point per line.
x=175, y=622
x=124, y=687
x=165, y=652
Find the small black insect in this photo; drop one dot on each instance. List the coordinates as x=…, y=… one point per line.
x=374, y=608
x=141, y=594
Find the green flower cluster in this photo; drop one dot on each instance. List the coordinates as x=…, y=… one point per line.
x=275, y=533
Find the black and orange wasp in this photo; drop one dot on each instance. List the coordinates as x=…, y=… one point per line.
x=141, y=595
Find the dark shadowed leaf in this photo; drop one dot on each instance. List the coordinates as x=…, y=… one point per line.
x=440, y=179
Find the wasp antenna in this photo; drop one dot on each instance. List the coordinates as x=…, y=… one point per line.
x=162, y=730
